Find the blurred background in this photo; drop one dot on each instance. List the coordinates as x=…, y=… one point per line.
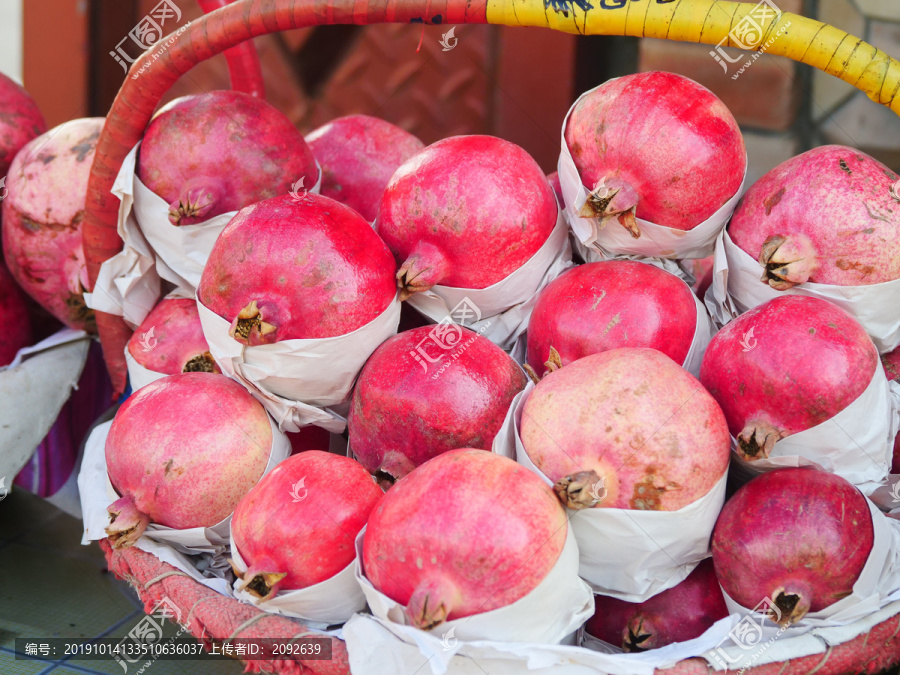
x=512, y=82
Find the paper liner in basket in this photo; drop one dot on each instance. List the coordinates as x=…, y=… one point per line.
x=97, y=494
x=296, y=379
x=857, y=443
x=627, y=554
x=737, y=287
x=329, y=602
x=614, y=241
x=501, y=311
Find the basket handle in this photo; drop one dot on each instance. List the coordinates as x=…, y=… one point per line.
x=712, y=22
x=243, y=60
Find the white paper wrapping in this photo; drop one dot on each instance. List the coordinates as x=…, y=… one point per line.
x=551, y=612
x=503, y=309
x=296, y=379
x=97, y=494
x=627, y=554
x=857, y=443
x=656, y=241
x=138, y=375
x=703, y=334
x=736, y=287
x=129, y=283
x=332, y=601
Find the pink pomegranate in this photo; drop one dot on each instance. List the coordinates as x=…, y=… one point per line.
x=420, y=395
x=798, y=536
x=182, y=452
x=681, y=613
x=465, y=533
x=786, y=366
x=14, y=318
x=358, y=155
x=465, y=212
x=657, y=146
x=823, y=216
x=298, y=525
x=604, y=305
x=20, y=121
x=309, y=438
x=212, y=153
x=42, y=216
x=170, y=340
x=626, y=428
x=290, y=268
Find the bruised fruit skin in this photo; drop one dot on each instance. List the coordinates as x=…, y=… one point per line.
x=784, y=367
x=683, y=612
x=20, y=121
x=14, y=318
x=798, y=536
x=182, y=452
x=829, y=216
x=358, y=155
x=604, y=305
x=298, y=525
x=465, y=533
x=170, y=340
x=403, y=414
x=466, y=212
x=287, y=269
x=42, y=216
x=208, y=154
x=657, y=146
x=633, y=419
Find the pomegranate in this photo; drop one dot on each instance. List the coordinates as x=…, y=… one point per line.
x=298, y=525
x=465, y=212
x=798, y=536
x=823, y=216
x=42, y=216
x=170, y=340
x=632, y=421
x=657, y=146
x=465, y=533
x=182, y=452
x=683, y=612
x=309, y=438
x=416, y=398
x=358, y=155
x=291, y=268
x=212, y=153
x=786, y=366
x=13, y=317
x=20, y=121
x=604, y=305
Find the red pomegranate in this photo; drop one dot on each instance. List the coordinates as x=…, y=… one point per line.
x=465, y=212
x=309, y=438
x=170, y=340
x=657, y=146
x=182, y=452
x=800, y=537
x=604, y=305
x=298, y=525
x=208, y=154
x=683, y=612
x=823, y=216
x=358, y=155
x=420, y=395
x=20, y=121
x=465, y=533
x=786, y=366
x=290, y=268
x=14, y=317
x=631, y=421
x=42, y=215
